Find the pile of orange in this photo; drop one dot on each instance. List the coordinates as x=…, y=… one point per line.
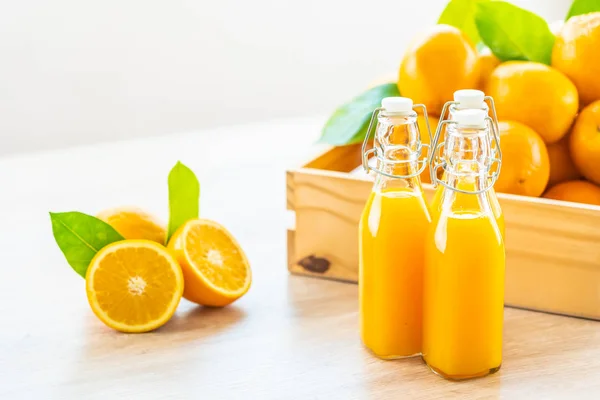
x=549, y=116
x=135, y=285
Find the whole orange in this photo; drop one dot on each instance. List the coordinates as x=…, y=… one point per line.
x=536, y=95
x=525, y=164
x=576, y=53
x=487, y=64
x=436, y=64
x=576, y=191
x=585, y=142
x=134, y=223
x=562, y=167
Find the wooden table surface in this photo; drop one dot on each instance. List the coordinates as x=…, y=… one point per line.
x=288, y=338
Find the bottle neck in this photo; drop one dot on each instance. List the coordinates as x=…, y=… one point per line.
x=398, y=143
x=484, y=107
x=467, y=151
x=398, y=131
x=467, y=159
x=398, y=175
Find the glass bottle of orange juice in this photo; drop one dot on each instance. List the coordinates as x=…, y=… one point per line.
x=463, y=284
x=471, y=99
x=392, y=233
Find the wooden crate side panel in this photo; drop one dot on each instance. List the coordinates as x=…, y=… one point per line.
x=553, y=249
x=552, y=256
x=291, y=246
x=328, y=209
x=341, y=159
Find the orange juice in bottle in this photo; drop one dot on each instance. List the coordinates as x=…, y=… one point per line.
x=482, y=146
x=463, y=284
x=392, y=233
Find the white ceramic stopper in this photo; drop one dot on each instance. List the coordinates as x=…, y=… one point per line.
x=471, y=118
x=397, y=104
x=469, y=98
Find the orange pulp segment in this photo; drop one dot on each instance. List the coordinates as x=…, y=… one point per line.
x=134, y=285
x=214, y=266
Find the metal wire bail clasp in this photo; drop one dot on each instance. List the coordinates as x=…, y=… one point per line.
x=496, y=155
x=436, y=162
x=365, y=154
x=422, y=162
x=471, y=98
x=495, y=130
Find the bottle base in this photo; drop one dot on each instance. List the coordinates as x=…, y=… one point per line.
x=461, y=377
x=394, y=357
x=388, y=357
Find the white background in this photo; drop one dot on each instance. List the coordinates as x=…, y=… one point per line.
x=75, y=71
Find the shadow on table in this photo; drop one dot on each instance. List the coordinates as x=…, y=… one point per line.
x=412, y=378
x=310, y=297
x=532, y=336
x=190, y=324
x=204, y=321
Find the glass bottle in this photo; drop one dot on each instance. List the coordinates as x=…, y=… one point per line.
x=471, y=99
x=392, y=233
x=463, y=285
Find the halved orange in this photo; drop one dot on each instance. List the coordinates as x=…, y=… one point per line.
x=134, y=285
x=215, y=268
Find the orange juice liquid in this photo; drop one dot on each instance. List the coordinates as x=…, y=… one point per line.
x=467, y=201
x=392, y=234
x=463, y=296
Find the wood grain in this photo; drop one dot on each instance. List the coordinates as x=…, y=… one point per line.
x=327, y=206
x=290, y=337
x=552, y=248
x=341, y=159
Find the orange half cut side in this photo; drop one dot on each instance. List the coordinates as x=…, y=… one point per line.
x=134, y=285
x=214, y=266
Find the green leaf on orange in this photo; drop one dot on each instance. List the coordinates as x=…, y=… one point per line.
x=80, y=236
x=461, y=14
x=184, y=197
x=580, y=7
x=513, y=33
x=349, y=123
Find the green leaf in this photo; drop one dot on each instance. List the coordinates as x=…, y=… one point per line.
x=350, y=122
x=461, y=15
x=513, y=33
x=583, y=7
x=80, y=237
x=184, y=197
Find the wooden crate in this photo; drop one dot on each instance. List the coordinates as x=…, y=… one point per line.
x=552, y=247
